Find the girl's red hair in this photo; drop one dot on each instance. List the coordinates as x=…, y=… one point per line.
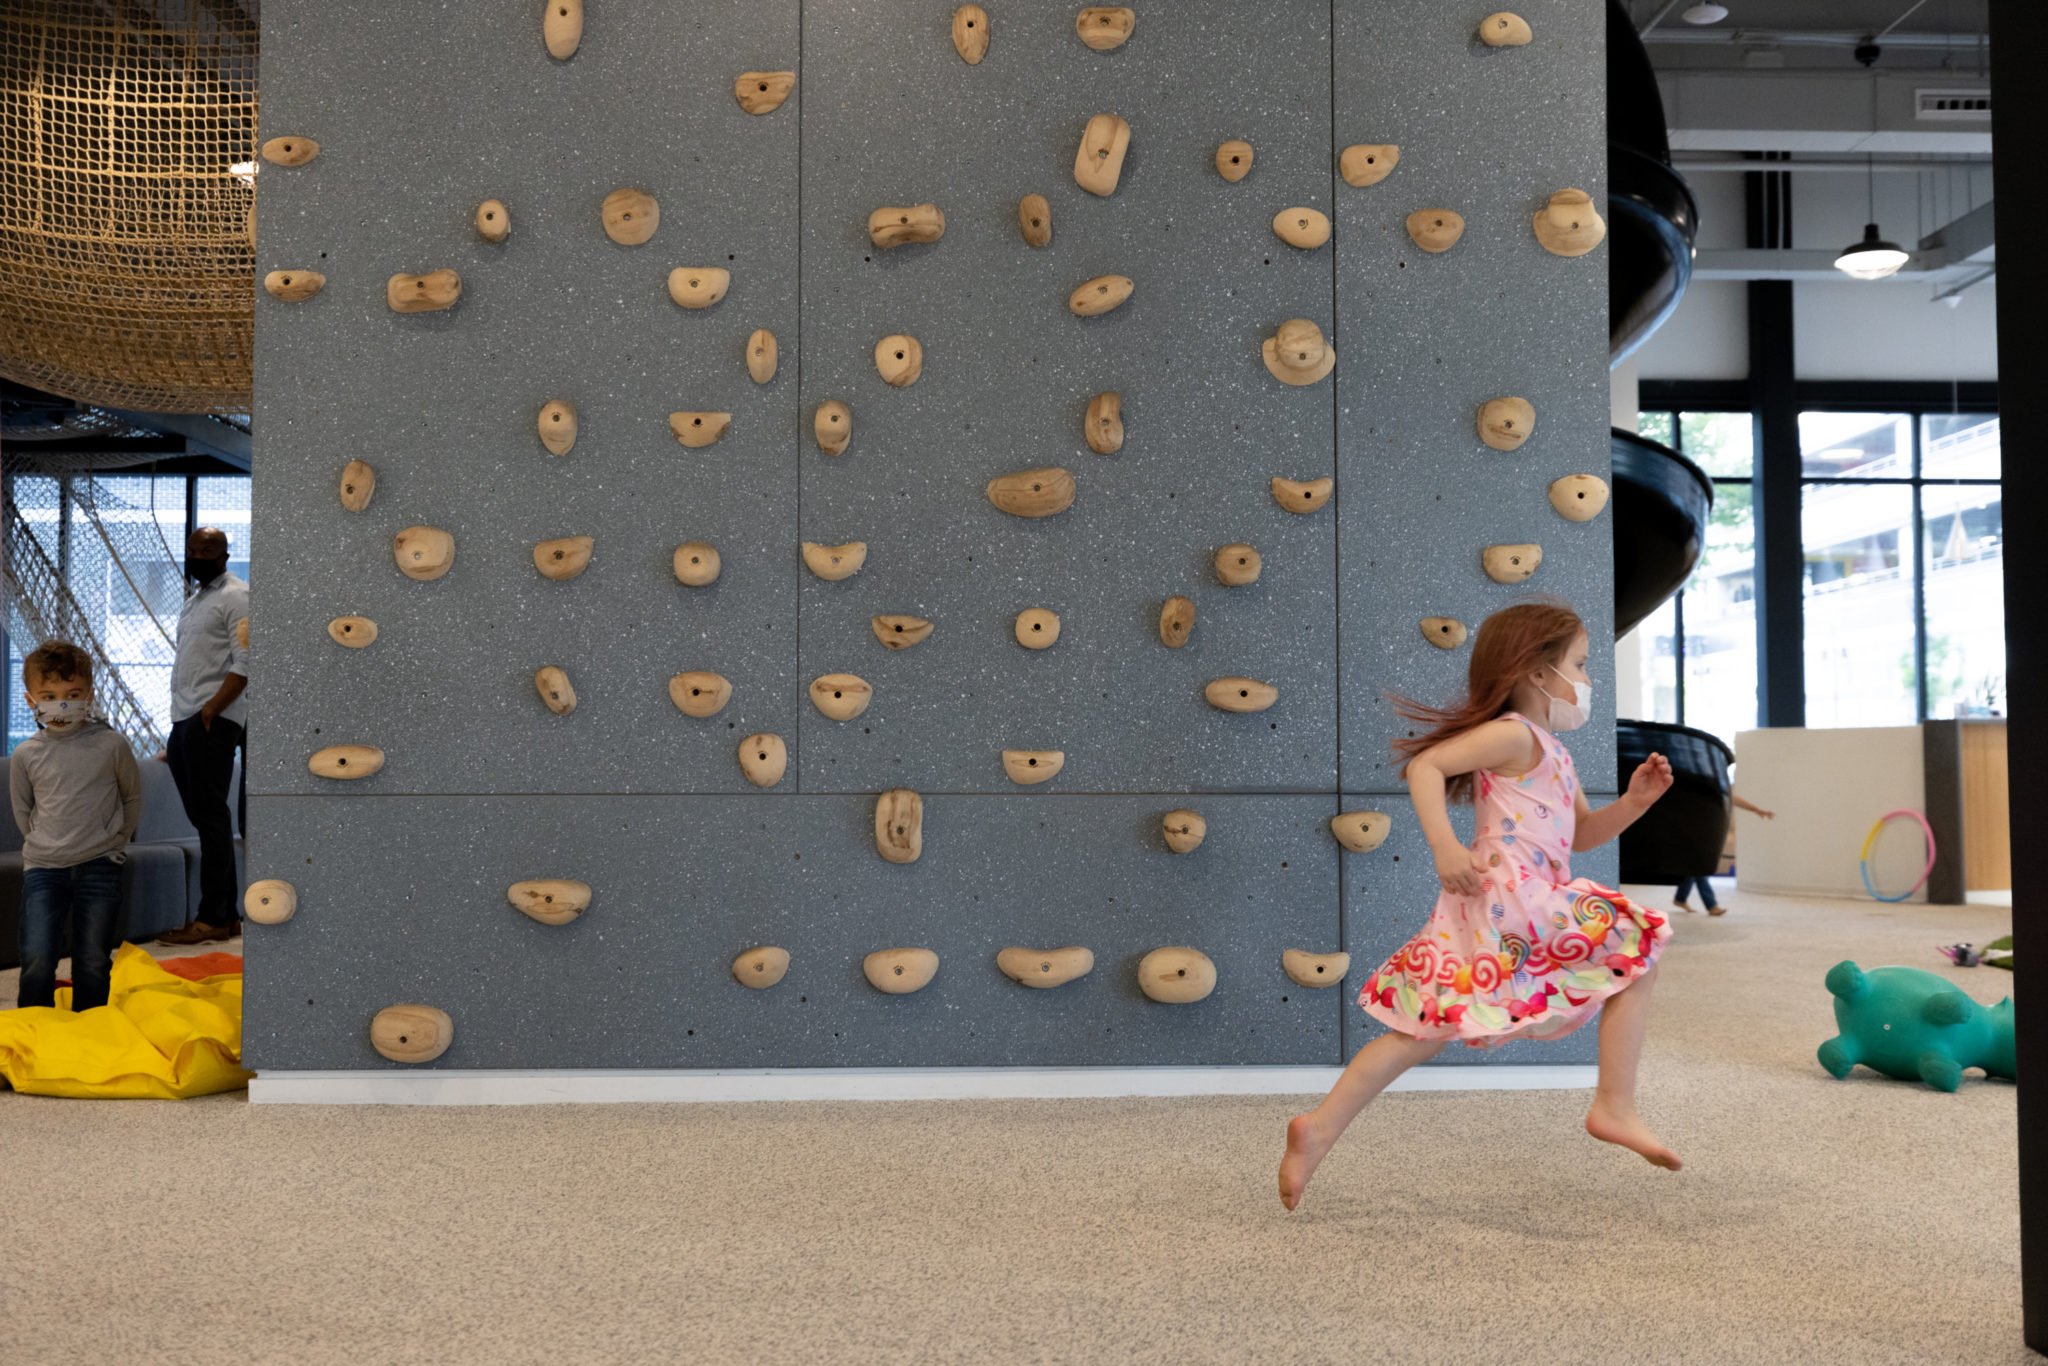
x=1512, y=644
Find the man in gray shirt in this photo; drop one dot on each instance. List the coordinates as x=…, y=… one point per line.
x=208, y=724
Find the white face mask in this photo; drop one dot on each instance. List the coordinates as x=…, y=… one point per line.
x=1563, y=715
x=64, y=713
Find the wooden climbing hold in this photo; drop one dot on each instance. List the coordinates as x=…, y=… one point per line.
x=1511, y=563
x=835, y=562
x=1099, y=163
x=1240, y=694
x=1176, y=976
x=556, y=692
x=1297, y=353
x=1504, y=29
x=272, y=901
x=550, y=900
x=899, y=825
x=1176, y=622
x=1368, y=163
x=1436, y=230
x=294, y=286
x=493, y=220
x=1361, y=831
x=423, y=552
x=1302, y=495
x=1505, y=423
x=763, y=759
x=1029, y=767
x=1105, y=27
x=1045, y=968
x=695, y=287
x=1093, y=298
x=1446, y=633
x=354, y=632
x=698, y=430
x=841, y=696
x=1579, y=497
x=900, y=971
x=762, y=92
x=561, y=28
x=904, y=225
x=242, y=633
x=346, y=761
x=761, y=968
x=411, y=1033
x=1184, y=831
x=630, y=216
x=899, y=632
x=762, y=355
x=833, y=425
x=696, y=564
x=429, y=293
x=970, y=33
x=557, y=423
x=1036, y=628
x=358, y=484
x=899, y=359
x=1033, y=493
x=1238, y=565
x=564, y=557
x=1302, y=227
x=699, y=692
x=1034, y=220
x=1307, y=969
x=1104, y=425
x=1569, y=225
x=290, y=151
x=1234, y=160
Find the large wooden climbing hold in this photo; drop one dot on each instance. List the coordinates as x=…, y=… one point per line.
x=763, y=759
x=761, y=968
x=1302, y=495
x=695, y=287
x=294, y=286
x=900, y=971
x=841, y=696
x=1184, y=831
x=1033, y=493
x=1511, y=563
x=1361, y=831
x=345, y=762
x=762, y=92
x=557, y=424
x=1045, y=968
x=1176, y=976
x=1569, y=225
x=1302, y=227
x=551, y=681
x=1034, y=220
x=354, y=632
x=1104, y=425
x=1298, y=354
x=1307, y=969
x=1103, y=294
x=1579, y=497
x=903, y=225
x=835, y=562
x=897, y=631
x=763, y=354
x=970, y=33
x=423, y=552
x=899, y=360
x=1505, y=29
x=493, y=221
x=550, y=900
x=1105, y=27
x=1037, y=628
x=833, y=426
x=1099, y=163
x=561, y=28
x=1446, y=633
x=1505, y=423
x=1367, y=163
x=630, y=215
x=899, y=825
x=1240, y=694
x=290, y=150
x=696, y=564
x=563, y=557
x=1176, y=621
x=698, y=430
x=1238, y=565
x=700, y=692
x=1234, y=160
x=358, y=484
x=429, y=293
x=1029, y=767
x=272, y=901
x=411, y=1033
x=1436, y=230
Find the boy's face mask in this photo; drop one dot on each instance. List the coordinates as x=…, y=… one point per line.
x=63, y=713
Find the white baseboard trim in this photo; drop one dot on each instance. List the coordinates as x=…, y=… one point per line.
x=510, y=1087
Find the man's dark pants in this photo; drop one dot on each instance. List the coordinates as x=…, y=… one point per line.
x=203, y=764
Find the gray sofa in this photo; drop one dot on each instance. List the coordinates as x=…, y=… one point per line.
x=159, y=885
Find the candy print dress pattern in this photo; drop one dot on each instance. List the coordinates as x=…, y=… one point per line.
x=1537, y=951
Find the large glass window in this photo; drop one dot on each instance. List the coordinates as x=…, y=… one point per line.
x=1963, y=559
x=1860, y=655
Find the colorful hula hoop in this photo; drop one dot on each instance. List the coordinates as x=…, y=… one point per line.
x=1870, y=842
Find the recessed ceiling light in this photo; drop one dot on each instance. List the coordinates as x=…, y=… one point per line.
x=1705, y=14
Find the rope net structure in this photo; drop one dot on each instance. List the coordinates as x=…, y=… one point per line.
x=127, y=201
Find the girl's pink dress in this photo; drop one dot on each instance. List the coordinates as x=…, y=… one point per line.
x=1538, y=951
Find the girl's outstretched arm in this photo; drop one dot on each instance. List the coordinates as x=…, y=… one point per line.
x=1651, y=780
x=1504, y=745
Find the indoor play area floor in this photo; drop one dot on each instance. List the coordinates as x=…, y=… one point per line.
x=1865, y=1220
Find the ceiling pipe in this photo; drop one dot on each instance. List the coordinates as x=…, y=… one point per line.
x=1811, y=38
x=1696, y=166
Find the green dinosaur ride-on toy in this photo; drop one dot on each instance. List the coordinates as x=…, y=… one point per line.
x=1913, y=1025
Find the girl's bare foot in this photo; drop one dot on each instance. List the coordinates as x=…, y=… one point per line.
x=1621, y=1125
x=1306, y=1147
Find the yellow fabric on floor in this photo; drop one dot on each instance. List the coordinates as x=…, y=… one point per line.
x=159, y=1037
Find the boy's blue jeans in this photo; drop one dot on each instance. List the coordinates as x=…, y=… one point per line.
x=87, y=897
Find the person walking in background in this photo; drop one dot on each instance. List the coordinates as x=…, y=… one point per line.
x=1706, y=888
x=208, y=724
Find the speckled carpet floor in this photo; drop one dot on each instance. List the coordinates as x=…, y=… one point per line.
x=1816, y=1221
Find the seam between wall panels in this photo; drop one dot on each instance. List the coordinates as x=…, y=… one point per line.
x=1337, y=523
x=797, y=437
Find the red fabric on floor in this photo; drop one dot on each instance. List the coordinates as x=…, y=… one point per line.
x=200, y=966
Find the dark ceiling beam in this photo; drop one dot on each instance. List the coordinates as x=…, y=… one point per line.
x=203, y=434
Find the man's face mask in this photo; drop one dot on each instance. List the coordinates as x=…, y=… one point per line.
x=205, y=571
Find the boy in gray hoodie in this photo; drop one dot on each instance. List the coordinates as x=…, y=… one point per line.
x=77, y=798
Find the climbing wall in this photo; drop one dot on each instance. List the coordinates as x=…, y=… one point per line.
x=401, y=877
